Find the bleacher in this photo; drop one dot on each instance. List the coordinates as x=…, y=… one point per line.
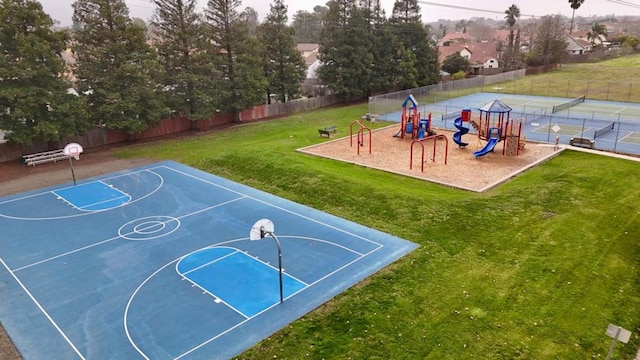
x=44, y=157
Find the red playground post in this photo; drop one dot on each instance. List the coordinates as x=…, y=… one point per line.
x=435, y=141
x=360, y=135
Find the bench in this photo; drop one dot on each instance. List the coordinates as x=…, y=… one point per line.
x=327, y=131
x=582, y=141
x=44, y=157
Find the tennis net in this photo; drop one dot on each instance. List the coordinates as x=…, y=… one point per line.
x=604, y=130
x=568, y=104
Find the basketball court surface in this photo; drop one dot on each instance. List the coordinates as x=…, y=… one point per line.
x=157, y=263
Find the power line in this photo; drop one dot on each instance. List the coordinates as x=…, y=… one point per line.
x=625, y=3
x=471, y=9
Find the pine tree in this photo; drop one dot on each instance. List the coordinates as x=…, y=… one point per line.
x=117, y=71
x=35, y=104
x=415, y=37
x=309, y=25
x=188, y=73
x=238, y=55
x=284, y=67
x=548, y=45
x=384, y=48
x=344, y=50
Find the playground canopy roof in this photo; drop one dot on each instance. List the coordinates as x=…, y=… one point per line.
x=496, y=106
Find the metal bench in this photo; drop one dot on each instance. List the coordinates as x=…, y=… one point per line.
x=582, y=142
x=327, y=131
x=44, y=157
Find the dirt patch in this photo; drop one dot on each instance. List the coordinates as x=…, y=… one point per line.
x=462, y=169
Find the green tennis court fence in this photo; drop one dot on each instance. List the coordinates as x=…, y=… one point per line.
x=568, y=104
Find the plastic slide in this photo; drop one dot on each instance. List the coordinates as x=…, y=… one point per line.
x=457, y=137
x=487, y=148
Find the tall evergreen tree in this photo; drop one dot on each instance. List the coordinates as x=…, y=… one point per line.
x=35, y=104
x=549, y=45
x=189, y=75
x=344, y=50
x=116, y=70
x=383, y=46
x=284, y=67
x=309, y=25
x=239, y=56
x=415, y=37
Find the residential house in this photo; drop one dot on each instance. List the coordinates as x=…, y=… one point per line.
x=311, y=84
x=585, y=35
x=309, y=53
x=577, y=45
x=456, y=37
x=482, y=55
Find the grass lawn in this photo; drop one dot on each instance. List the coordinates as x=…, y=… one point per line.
x=534, y=269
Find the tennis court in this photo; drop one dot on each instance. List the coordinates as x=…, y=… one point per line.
x=157, y=263
x=613, y=125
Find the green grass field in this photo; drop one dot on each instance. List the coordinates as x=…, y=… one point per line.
x=534, y=269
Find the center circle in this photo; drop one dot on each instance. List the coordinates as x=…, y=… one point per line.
x=149, y=228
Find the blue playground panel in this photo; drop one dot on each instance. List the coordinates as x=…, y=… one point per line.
x=156, y=263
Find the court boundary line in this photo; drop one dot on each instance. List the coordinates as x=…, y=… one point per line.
x=276, y=206
x=42, y=310
x=269, y=308
x=377, y=246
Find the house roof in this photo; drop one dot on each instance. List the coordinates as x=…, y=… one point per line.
x=502, y=35
x=480, y=52
x=309, y=52
x=456, y=37
x=307, y=47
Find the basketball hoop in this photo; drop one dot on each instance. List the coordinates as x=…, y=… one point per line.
x=72, y=150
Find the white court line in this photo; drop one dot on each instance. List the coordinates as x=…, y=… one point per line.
x=617, y=112
x=243, y=322
x=182, y=275
x=46, y=314
x=277, y=207
x=205, y=264
x=624, y=137
x=84, y=213
x=116, y=237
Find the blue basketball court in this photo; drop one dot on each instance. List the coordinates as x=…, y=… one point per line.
x=156, y=263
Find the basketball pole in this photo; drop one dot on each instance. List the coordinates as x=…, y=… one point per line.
x=73, y=174
x=264, y=233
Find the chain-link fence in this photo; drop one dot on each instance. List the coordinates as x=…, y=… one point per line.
x=617, y=132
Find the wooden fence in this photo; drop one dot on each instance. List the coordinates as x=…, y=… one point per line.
x=102, y=137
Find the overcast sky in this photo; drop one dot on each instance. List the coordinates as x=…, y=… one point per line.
x=61, y=9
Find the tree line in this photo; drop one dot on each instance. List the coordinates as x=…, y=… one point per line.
x=193, y=64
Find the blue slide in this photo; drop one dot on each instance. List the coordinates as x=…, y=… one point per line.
x=457, y=137
x=487, y=148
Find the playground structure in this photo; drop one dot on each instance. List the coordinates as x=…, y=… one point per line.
x=433, y=156
x=360, y=135
x=412, y=123
x=494, y=125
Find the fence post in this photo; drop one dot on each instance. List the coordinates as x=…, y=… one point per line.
x=615, y=144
